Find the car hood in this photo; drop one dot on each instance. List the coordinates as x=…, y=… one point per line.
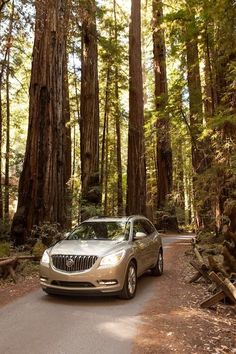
x=84, y=248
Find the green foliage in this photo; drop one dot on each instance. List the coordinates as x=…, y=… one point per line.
x=5, y=249
x=212, y=23
x=5, y=229
x=38, y=249
x=47, y=234
x=90, y=210
x=28, y=268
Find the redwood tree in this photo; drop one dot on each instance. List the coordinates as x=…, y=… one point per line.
x=42, y=187
x=164, y=152
x=136, y=174
x=89, y=112
x=201, y=154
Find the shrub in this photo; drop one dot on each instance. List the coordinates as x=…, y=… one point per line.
x=38, y=249
x=5, y=249
x=47, y=233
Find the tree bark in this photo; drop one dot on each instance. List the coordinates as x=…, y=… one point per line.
x=2, y=4
x=118, y=133
x=136, y=172
x=200, y=158
x=89, y=112
x=104, y=154
x=164, y=152
x=46, y=169
x=1, y=132
x=7, y=152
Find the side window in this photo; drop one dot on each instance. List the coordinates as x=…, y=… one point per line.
x=138, y=227
x=148, y=227
x=127, y=230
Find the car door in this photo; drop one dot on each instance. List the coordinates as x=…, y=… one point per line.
x=152, y=242
x=141, y=246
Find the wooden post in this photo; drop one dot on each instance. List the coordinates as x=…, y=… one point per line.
x=225, y=285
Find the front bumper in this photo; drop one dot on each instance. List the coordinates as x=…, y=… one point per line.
x=90, y=282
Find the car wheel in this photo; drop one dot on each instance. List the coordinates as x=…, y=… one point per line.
x=130, y=285
x=158, y=269
x=48, y=292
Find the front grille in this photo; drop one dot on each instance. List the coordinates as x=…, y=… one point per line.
x=73, y=284
x=72, y=263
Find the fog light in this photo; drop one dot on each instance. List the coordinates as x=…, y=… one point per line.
x=107, y=282
x=43, y=279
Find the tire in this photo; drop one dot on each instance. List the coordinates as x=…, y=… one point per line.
x=130, y=285
x=158, y=269
x=48, y=292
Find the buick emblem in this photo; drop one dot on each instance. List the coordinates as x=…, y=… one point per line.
x=70, y=262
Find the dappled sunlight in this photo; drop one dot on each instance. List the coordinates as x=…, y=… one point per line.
x=122, y=328
x=187, y=312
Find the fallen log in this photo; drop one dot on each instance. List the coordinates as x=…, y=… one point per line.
x=9, y=264
x=6, y=261
x=34, y=258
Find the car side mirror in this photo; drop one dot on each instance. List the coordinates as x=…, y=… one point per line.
x=139, y=236
x=65, y=235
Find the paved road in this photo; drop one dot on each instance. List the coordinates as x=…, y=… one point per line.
x=39, y=324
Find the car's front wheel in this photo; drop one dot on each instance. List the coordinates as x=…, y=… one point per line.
x=158, y=269
x=130, y=285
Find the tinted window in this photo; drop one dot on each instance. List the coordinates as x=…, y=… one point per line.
x=138, y=227
x=148, y=227
x=115, y=231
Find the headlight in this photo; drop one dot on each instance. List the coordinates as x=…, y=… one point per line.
x=112, y=259
x=45, y=258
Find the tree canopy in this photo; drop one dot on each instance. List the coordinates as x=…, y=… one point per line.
x=117, y=106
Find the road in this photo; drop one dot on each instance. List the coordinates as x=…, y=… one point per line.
x=40, y=324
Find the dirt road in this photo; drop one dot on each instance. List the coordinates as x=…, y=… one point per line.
x=173, y=322
x=164, y=317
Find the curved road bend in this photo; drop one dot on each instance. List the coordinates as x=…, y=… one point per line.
x=40, y=324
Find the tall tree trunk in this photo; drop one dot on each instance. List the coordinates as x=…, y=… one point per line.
x=118, y=133
x=200, y=160
x=209, y=102
x=105, y=139
x=77, y=115
x=46, y=169
x=118, y=150
x=107, y=168
x=136, y=172
x=2, y=4
x=65, y=144
x=164, y=152
x=89, y=111
x=1, y=196
x=1, y=132
x=7, y=152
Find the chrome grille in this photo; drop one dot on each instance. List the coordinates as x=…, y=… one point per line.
x=73, y=263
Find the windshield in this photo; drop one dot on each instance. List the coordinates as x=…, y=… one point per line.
x=112, y=230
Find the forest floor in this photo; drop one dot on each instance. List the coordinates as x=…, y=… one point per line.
x=173, y=321
x=28, y=280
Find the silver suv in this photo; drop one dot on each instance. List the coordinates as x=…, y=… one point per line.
x=103, y=255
